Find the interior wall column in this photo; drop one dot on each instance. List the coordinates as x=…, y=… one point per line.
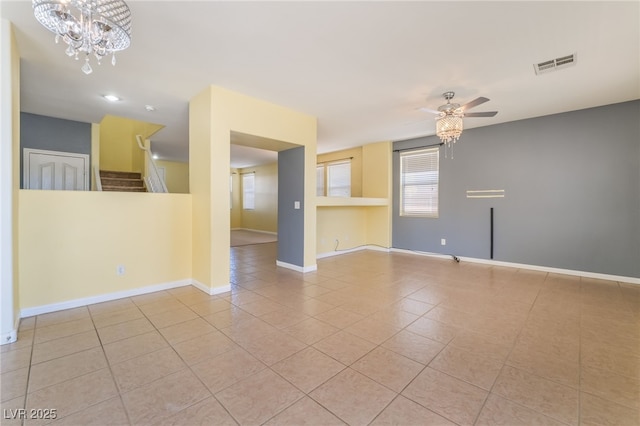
x=9, y=183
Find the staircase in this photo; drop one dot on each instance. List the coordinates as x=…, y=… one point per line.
x=122, y=181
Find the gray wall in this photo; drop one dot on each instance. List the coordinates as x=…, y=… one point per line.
x=53, y=134
x=572, y=185
x=290, y=220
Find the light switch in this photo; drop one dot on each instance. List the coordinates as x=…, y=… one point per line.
x=296, y=205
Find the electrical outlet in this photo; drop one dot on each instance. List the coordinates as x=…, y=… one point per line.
x=443, y=241
x=120, y=270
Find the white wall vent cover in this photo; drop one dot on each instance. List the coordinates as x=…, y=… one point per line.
x=555, y=64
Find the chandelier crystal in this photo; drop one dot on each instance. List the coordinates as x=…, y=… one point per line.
x=98, y=27
x=449, y=127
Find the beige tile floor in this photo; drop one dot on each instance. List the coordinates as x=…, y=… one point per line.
x=370, y=338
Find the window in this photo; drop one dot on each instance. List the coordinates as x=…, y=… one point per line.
x=248, y=191
x=320, y=180
x=337, y=177
x=419, y=183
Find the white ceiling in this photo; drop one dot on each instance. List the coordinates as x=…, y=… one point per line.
x=361, y=68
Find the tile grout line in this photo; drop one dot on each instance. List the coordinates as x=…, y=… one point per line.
x=113, y=378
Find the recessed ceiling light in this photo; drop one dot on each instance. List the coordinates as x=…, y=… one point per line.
x=155, y=156
x=150, y=108
x=111, y=98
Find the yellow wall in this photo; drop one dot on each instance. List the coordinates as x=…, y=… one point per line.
x=356, y=166
x=176, y=176
x=356, y=226
x=265, y=215
x=201, y=151
x=348, y=225
x=213, y=115
x=377, y=183
x=236, y=200
x=119, y=150
x=71, y=243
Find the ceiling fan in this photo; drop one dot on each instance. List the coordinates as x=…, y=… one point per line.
x=449, y=120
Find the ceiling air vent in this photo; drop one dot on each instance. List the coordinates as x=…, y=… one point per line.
x=555, y=64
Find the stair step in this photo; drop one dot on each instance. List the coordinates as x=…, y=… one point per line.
x=110, y=181
x=123, y=188
x=120, y=175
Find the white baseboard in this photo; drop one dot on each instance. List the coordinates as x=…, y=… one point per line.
x=303, y=269
x=53, y=307
x=211, y=291
x=10, y=336
x=255, y=230
x=585, y=274
x=351, y=250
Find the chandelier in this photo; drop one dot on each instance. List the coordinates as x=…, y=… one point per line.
x=449, y=126
x=98, y=27
x=449, y=120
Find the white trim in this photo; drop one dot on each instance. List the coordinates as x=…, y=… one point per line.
x=26, y=164
x=8, y=314
x=585, y=274
x=11, y=335
x=303, y=269
x=211, y=291
x=351, y=250
x=53, y=307
x=421, y=253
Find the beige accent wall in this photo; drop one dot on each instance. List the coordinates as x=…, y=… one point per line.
x=264, y=217
x=71, y=243
x=176, y=176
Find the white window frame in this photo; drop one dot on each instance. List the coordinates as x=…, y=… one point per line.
x=419, y=183
x=249, y=191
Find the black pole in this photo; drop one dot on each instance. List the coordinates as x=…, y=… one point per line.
x=491, y=253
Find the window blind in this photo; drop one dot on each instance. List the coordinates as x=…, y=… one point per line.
x=339, y=179
x=419, y=176
x=248, y=192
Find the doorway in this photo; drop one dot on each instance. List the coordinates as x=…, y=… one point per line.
x=55, y=170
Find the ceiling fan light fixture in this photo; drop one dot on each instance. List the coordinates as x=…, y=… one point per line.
x=98, y=27
x=449, y=127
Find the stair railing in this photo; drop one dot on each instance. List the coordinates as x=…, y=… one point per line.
x=152, y=179
x=98, y=179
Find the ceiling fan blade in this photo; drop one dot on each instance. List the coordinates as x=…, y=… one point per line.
x=430, y=111
x=474, y=103
x=481, y=114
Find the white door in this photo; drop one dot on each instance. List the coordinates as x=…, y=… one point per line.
x=55, y=170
